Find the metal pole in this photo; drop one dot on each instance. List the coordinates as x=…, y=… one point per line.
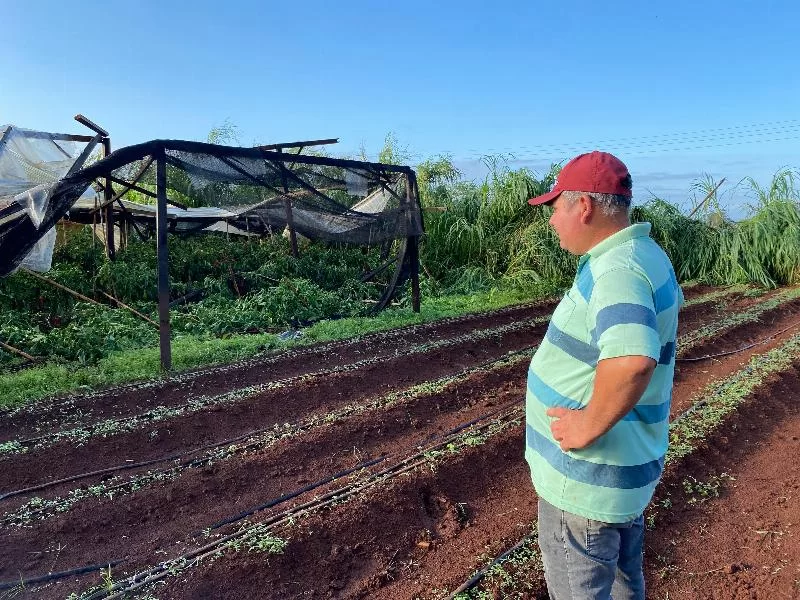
x=287, y=204
x=163, y=263
x=413, y=243
x=108, y=193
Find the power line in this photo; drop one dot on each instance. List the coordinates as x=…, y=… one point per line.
x=734, y=131
x=768, y=132
x=664, y=149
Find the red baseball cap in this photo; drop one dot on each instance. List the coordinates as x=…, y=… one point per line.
x=598, y=172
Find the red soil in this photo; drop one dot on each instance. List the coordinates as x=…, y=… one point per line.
x=423, y=531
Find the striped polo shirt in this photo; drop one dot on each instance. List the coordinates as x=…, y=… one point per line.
x=624, y=302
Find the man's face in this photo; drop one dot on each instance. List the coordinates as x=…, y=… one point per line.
x=566, y=221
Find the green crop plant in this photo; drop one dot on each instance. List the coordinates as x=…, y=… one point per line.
x=700, y=491
x=721, y=398
x=730, y=320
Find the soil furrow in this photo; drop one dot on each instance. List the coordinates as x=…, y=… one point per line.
x=203, y=496
x=276, y=406
x=697, y=374
x=315, y=453
x=745, y=543
x=31, y=420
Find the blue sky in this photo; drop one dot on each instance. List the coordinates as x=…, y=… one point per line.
x=676, y=89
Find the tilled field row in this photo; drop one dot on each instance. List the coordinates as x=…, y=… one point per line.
x=421, y=536
x=83, y=410
x=175, y=417
x=106, y=522
x=211, y=420
x=128, y=400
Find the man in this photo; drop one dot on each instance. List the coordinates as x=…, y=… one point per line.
x=599, y=387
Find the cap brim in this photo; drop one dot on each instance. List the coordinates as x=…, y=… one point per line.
x=544, y=198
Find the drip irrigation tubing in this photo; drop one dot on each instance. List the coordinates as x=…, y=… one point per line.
x=296, y=352
x=363, y=465
x=5, y=585
x=156, y=573
x=417, y=349
x=197, y=462
x=337, y=495
x=742, y=349
x=473, y=581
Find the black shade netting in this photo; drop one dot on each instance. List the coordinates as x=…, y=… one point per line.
x=247, y=190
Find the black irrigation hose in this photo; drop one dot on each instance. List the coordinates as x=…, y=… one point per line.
x=294, y=494
x=346, y=472
x=742, y=349
x=5, y=585
x=190, y=375
x=473, y=581
x=196, y=462
x=135, y=465
x=469, y=584
x=420, y=349
x=158, y=572
x=327, y=498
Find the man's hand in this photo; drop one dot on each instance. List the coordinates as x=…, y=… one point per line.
x=618, y=385
x=570, y=428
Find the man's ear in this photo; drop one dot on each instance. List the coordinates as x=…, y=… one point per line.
x=586, y=208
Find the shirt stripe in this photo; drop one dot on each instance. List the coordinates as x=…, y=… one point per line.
x=623, y=313
x=585, y=281
x=611, y=476
x=584, y=352
x=649, y=413
x=667, y=352
x=665, y=296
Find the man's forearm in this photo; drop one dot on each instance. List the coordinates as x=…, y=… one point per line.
x=618, y=385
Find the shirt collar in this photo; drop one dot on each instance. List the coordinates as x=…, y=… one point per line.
x=636, y=230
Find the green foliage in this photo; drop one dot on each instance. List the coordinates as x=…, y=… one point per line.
x=698, y=491
x=762, y=249
x=487, y=227
x=484, y=246
x=193, y=351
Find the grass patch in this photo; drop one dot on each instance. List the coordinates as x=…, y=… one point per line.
x=190, y=352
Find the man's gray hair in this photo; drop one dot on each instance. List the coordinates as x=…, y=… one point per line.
x=610, y=204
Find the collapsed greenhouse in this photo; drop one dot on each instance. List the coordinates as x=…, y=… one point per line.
x=188, y=187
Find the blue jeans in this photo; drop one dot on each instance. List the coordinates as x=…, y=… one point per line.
x=586, y=559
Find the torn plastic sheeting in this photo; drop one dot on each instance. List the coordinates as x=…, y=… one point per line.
x=290, y=335
x=40, y=258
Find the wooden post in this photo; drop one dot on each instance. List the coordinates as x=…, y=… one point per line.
x=413, y=243
x=163, y=263
x=287, y=203
x=108, y=193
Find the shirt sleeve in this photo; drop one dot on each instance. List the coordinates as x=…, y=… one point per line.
x=622, y=317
